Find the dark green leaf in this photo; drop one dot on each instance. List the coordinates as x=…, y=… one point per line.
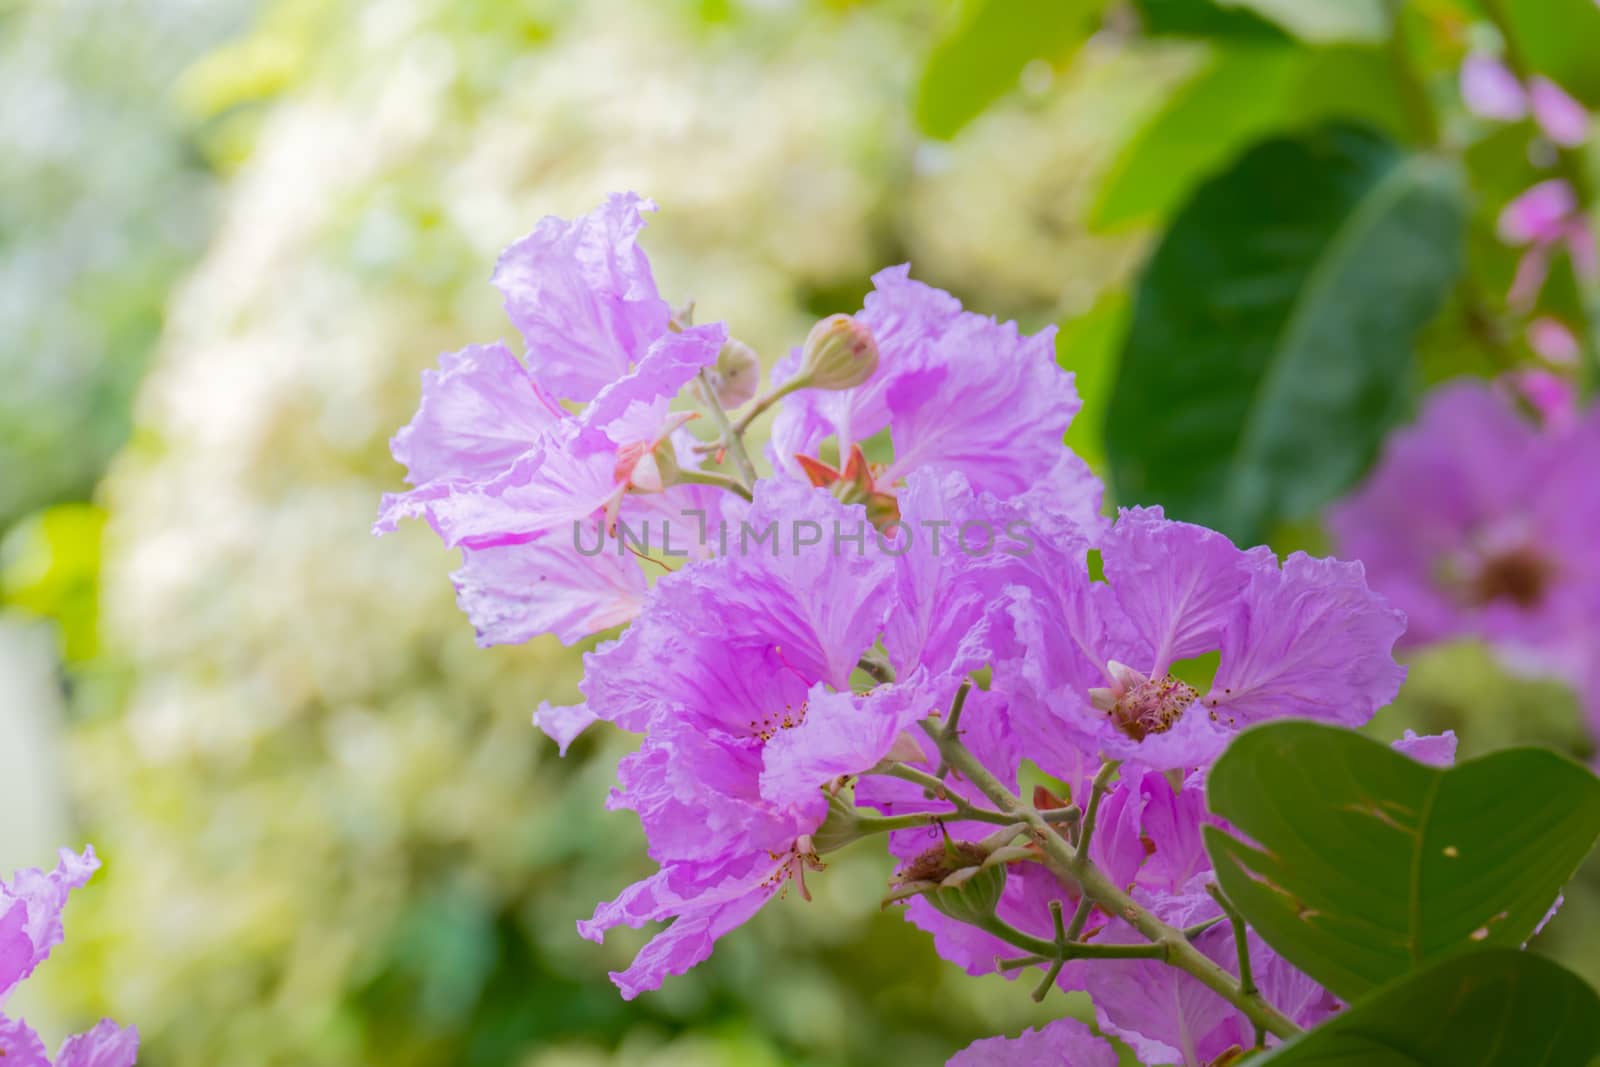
x=982, y=56
x=1497, y=1008
x=1366, y=864
x=1245, y=93
x=1205, y=18
x=1272, y=337
x=1322, y=21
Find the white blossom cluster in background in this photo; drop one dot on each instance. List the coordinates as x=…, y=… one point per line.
x=293, y=735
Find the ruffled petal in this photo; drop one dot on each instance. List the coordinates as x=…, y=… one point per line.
x=30, y=913
x=1316, y=644
x=513, y=593
x=582, y=295
x=1064, y=1042
x=480, y=411
x=19, y=1045
x=1436, y=750
x=1178, y=584
x=663, y=370
x=107, y=1045
x=988, y=402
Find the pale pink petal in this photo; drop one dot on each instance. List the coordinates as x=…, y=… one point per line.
x=1553, y=340
x=1436, y=750
x=1491, y=91
x=1563, y=119
x=1060, y=1043
x=1539, y=215
x=562, y=724
x=1318, y=644
x=107, y=1045
x=480, y=411
x=583, y=296
x=19, y=1045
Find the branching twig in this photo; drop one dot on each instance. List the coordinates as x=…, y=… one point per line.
x=1166, y=942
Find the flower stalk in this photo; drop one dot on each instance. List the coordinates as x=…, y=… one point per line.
x=1071, y=866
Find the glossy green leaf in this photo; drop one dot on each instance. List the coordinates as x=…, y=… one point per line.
x=982, y=56
x=1496, y=1008
x=1359, y=864
x=1243, y=94
x=1273, y=328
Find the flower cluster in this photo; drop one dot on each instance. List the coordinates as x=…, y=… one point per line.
x=30, y=926
x=920, y=609
x=1547, y=220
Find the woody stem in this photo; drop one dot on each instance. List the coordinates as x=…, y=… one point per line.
x=1073, y=867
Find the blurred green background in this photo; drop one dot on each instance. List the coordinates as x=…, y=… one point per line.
x=233, y=232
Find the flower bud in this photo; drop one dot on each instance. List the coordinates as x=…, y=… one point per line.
x=839, y=353
x=736, y=374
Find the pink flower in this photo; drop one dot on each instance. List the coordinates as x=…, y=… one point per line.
x=1480, y=523
x=30, y=926
x=1094, y=661
x=956, y=391
x=501, y=469
x=1490, y=90
x=1546, y=218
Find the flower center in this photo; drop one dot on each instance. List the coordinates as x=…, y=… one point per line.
x=1520, y=576
x=1141, y=706
x=800, y=858
x=766, y=729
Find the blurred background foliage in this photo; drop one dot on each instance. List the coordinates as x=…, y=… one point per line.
x=331, y=836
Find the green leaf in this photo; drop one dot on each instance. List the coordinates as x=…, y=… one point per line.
x=1272, y=335
x=1204, y=18
x=1089, y=346
x=983, y=55
x=1560, y=39
x=1483, y=1009
x=1243, y=94
x=1322, y=21
x=1366, y=864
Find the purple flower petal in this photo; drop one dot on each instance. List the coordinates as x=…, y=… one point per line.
x=107, y=1045
x=30, y=913
x=480, y=411
x=1317, y=643
x=19, y=1045
x=1178, y=584
x=562, y=724
x=664, y=369
x=1436, y=750
x=513, y=593
x=1539, y=215
x=1563, y=119
x=1491, y=91
x=582, y=295
x=1066, y=1042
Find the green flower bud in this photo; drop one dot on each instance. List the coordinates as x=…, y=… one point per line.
x=736, y=375
x=839, y=353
